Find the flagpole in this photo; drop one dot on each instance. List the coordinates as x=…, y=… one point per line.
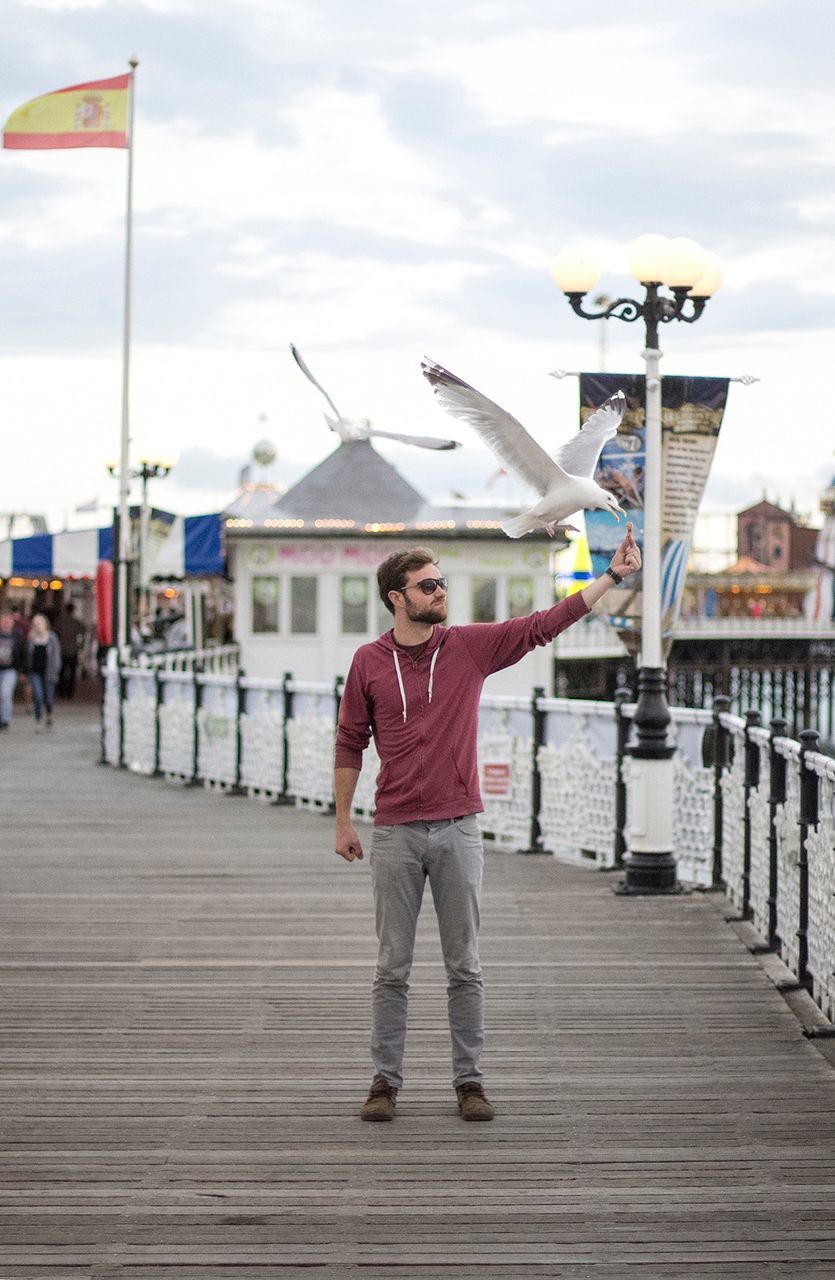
x=122, y=636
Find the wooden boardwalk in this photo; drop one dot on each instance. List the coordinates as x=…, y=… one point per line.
x=185, y=991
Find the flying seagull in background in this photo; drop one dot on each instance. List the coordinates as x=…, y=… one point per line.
x=352, y=429
x=565, y=483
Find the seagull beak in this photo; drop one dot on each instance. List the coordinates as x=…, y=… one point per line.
x=615, y=513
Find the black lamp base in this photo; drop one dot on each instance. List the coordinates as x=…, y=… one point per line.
x=649, y=873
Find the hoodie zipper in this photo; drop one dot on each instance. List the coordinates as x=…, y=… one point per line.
x=422, y=707
x=414, y=669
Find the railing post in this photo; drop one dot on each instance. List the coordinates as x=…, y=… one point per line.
x=198, y=702
x=538, y=736
x=721, y=757
x=338, y=686
x=103, y=678
x=752, y=780
x=122, y=686
x=286, y=716
x=807, y=817
x=157, y=705
x=622, y=726
x=240, y=700
x=809, y=714
x=776, y=796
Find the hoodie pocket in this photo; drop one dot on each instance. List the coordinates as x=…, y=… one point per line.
x=468, y=785
x=445, y=781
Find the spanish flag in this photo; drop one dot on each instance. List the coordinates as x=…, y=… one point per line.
x=85, y=115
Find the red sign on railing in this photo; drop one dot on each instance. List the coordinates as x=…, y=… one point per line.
x=495, y=779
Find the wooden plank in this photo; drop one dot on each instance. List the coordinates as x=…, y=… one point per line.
x=185, y=985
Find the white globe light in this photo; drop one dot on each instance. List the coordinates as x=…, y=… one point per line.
x=710, y=279
x=150, y=450
x=685, y=263
x=575, y=271
x=161, y=460
x=648, y=258
x=264, y=453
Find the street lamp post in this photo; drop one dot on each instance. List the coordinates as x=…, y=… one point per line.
x=692, y=275
x=147, y=469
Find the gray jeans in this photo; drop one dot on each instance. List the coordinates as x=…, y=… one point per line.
x=450, y=855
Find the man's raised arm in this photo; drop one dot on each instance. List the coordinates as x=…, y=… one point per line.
x=626, y=560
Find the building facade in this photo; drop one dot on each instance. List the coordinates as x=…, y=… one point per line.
x=774, y=538
x=304, y=568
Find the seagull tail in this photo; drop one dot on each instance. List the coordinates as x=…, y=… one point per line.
x=517, y=526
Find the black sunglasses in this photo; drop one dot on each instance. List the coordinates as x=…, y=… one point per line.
x=428, y=585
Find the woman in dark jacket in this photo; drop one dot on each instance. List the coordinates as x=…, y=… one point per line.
x=43, y=666
x=12, y=660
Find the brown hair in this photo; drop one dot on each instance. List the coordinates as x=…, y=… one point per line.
x=392, y=573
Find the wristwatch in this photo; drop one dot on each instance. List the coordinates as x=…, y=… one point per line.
x=616, y=578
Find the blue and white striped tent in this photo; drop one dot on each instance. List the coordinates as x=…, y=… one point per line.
x=193, y=546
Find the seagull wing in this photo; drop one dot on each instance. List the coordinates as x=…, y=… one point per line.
x=423, y=442
x=296, y=354
x=579, y=455
x=500, y=430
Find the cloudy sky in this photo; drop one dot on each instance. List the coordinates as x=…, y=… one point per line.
x=378, y=180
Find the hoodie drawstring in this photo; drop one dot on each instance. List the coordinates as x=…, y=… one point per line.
x=400, y=682
x=432, y=670
x=400, y=677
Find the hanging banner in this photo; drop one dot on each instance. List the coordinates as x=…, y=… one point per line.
x=691, y=416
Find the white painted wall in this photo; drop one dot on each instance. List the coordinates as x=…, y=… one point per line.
x=328, y=653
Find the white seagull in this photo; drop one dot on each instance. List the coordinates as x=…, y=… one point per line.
x=565, y=483
x=350, y=430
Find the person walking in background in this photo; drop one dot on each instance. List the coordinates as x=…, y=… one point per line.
x=70, y=632
x=43, y=666
x=12, y=657
x=21, y=622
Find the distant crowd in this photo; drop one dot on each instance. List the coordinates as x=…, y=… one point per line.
x=43, y=653
x=166, y=630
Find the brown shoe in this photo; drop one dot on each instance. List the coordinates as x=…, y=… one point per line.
x=473, y=1103
x=381, y=1100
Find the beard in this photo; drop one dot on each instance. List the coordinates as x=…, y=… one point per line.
x=428, y=613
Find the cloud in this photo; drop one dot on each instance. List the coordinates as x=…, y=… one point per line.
x=342, y=167
x=202, y=468
x=373, y=187
x=572, y=76
x=72, y=6
x=816, y=210
x=327, y=298
x=808, y=266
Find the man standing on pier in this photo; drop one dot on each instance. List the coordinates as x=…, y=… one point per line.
x=417, y=690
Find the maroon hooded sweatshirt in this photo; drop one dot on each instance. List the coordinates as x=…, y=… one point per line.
x=423, y=712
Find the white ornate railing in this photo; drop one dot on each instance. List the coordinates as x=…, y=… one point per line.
x=787, y=830
x=220, y=658
x=820, y=844
x=733, y=807
x=753, y=809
